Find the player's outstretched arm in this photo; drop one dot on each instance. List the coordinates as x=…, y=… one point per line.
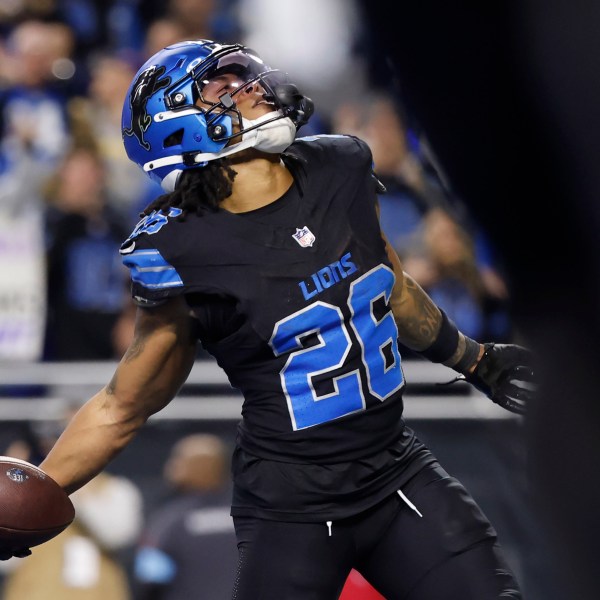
x=504, y=372
x=149, y=375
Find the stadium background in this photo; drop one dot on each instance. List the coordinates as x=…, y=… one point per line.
x=333, y=54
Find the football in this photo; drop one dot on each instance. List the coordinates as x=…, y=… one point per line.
x=33, y=507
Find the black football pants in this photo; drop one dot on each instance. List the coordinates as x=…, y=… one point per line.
x=448, y=553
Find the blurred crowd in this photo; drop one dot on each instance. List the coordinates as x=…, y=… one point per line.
x=171, y=541
x=69, y=195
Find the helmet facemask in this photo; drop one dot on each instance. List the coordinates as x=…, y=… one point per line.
x=219, y=84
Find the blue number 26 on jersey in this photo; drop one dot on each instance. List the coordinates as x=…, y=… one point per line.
x=379, y=352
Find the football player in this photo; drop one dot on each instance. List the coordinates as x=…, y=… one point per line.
x=266, y=249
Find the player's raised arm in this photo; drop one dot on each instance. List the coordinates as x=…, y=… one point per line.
x=149, y=375
x=504, y=372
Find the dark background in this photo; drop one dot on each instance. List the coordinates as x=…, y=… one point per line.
x=508, y=93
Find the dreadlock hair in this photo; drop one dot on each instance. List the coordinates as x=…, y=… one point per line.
x=197, y=190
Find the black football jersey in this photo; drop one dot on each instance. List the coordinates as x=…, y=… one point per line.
x=292, y=301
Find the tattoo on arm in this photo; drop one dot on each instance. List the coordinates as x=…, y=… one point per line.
x=420, y=320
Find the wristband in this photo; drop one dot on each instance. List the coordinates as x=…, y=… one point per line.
x=445, y=343
x=469, y=357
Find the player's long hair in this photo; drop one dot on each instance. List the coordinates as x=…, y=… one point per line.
x=198, y=190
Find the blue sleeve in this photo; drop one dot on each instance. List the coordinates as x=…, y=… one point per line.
x=153, y=278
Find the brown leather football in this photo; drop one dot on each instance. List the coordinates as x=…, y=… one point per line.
x=33, y=507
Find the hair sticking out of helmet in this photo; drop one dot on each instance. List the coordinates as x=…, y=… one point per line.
x=176, y=117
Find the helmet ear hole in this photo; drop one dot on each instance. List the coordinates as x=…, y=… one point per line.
x=174, y=139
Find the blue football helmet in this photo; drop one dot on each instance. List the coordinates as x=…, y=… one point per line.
x=165, y=132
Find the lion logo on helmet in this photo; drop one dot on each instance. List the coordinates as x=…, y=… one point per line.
x=146, y=85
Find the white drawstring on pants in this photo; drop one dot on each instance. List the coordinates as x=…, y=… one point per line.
x=410, y=504
x=400, y=493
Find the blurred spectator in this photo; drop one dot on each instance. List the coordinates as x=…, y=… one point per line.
x=87, y=287
x=96, y=122
x=445, y=264
x=316, y=43
x=83, y=562
x=103, y=26
x=66, y=75
x=16, y=11
x=446, y=254
x=33, y=136
x=160, y=34
x=411, y=191
x=189, y=547
x=194, y=19
x=34, y=129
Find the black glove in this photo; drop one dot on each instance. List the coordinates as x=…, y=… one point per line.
x=505, y=374
x=22, y=553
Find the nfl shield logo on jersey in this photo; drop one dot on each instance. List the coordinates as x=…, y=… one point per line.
x=304, y=237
